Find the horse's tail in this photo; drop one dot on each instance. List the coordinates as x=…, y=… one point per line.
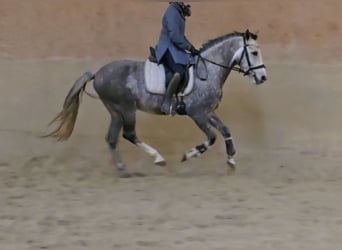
x=67, y=117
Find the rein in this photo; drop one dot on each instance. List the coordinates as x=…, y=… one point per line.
x=203, y=60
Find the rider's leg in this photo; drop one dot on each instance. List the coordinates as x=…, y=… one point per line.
x=170, y=91
x=178, y=71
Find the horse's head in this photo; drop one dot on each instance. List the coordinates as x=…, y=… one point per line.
x=250, y=60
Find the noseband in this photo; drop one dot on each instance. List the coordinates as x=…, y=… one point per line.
x=232, y=67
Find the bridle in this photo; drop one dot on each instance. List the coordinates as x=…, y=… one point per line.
x=232, y=67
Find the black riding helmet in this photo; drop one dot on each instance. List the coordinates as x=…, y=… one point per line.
x=186, y=8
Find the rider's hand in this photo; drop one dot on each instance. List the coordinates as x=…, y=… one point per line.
x=194, y=51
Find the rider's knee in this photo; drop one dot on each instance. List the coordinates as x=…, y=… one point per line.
x=181, y=73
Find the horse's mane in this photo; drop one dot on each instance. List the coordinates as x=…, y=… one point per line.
x=214, y=41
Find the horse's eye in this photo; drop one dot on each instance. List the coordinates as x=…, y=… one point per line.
x=255, y=53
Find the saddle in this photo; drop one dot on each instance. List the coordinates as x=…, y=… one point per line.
x=157, y=77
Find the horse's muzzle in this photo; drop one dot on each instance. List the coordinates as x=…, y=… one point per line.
x=261, y=80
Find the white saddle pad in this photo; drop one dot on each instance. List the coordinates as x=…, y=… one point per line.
x=155, y=78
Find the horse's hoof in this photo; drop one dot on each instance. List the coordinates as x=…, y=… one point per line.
x=124, y=174
x=231, y=162
x=160, y=163
x=138, y=174
x=184, y=158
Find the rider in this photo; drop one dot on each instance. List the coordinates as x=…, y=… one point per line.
x=172, y=46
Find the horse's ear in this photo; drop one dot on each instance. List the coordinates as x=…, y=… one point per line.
x=251, y=35
x=256, y=35
x=247, y=33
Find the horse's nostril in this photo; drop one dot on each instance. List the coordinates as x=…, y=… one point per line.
x=263, y=78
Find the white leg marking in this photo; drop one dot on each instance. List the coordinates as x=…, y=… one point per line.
x=152, y=152
x=192, y=153
x=231, y=161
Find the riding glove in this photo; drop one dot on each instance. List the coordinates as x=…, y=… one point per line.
x=194, y=51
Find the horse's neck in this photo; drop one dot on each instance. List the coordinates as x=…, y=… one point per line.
x=223, y=53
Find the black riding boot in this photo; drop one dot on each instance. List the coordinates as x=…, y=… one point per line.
x=171, y=89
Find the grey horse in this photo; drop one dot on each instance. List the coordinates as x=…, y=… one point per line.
x=121, y=87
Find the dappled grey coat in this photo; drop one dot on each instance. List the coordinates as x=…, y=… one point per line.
x=172, y=37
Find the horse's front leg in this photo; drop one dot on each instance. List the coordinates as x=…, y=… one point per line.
x=202, y=122
x=215, y=121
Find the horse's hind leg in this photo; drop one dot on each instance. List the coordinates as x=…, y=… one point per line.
x=202, y=122
x=129, y=119
x=224, y=130
x=112, y=138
